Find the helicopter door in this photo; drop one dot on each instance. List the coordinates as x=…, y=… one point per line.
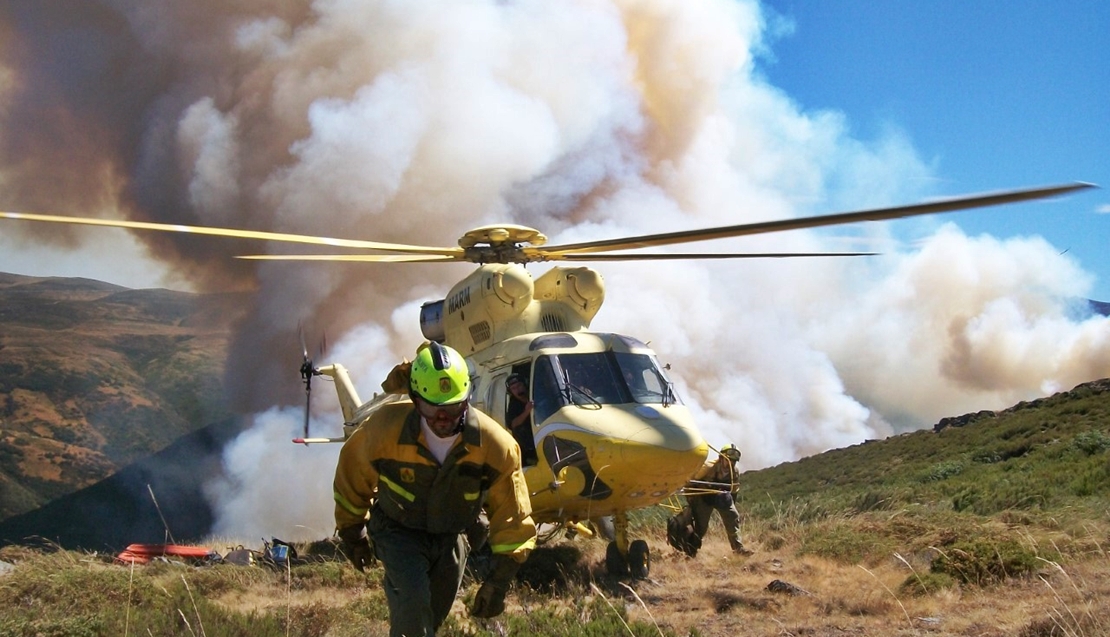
x=495, y=398
x=517, y=410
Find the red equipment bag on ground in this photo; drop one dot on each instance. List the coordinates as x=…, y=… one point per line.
x=143, y=553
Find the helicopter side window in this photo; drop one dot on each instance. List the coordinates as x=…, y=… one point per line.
x=495, y=394
x=646, y=381
x=546, y=397
x=478, y=399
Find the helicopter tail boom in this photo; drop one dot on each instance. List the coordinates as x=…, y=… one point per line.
x=349, y=401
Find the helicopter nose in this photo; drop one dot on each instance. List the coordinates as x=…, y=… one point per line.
x=669, y=453
x=666, y=436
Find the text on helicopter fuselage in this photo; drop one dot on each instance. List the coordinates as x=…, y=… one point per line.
x=458, y=300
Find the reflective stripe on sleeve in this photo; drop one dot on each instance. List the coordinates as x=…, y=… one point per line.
x=347, y=506
x=513, y=548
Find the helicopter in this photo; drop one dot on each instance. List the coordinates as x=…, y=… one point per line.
x=611, y=433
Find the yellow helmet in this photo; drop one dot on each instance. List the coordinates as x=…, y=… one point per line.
x=731, y=452
x=440, y=375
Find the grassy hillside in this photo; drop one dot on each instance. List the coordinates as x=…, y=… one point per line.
x=1043, y=455
x=995, y=527
x=94, y=376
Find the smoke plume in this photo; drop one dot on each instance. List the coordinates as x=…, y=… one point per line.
x=412, y=122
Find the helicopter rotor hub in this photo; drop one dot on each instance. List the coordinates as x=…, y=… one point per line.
x=500, y=243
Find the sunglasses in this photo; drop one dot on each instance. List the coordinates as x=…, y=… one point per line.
x=431, y=411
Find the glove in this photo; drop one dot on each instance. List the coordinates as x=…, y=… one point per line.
x=356, y=546
x=490, y=600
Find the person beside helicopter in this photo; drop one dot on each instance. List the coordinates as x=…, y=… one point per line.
x=518, y=418
x=722, y=476
x=414, y=478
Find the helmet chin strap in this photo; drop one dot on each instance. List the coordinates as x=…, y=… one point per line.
x=462, y=419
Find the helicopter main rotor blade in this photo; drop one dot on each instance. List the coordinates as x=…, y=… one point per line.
x=400, y=258
x=363, y=258
x=240, y=234
x=878, y=214
x=501, y=251
x=704, y=255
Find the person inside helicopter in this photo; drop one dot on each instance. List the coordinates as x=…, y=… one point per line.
x=518, y=418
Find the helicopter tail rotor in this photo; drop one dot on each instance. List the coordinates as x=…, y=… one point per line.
x=308, y=370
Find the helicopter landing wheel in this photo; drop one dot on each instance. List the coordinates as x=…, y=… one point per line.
x=615, y=563
x=639, y=559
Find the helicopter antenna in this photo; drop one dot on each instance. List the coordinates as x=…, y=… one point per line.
x=308, y=370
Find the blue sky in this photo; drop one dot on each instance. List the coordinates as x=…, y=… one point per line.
x=992, y=95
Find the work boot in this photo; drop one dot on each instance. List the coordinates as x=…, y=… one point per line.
x=740, y=549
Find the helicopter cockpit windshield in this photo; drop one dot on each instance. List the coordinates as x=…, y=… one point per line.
x=590, y=380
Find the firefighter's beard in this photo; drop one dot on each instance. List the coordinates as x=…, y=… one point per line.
x=443, y=420
x=445, y=427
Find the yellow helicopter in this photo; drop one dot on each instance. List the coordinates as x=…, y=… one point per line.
x=610, y=431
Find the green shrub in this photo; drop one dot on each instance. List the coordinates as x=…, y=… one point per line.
x=872, y=501
x=986, y=457
x=926, y=583
x=1091, y=442
x=944, y=470
x=843, y=543
x=965, y=499
x=982, y=562
x=51, y=626
x=371, y=606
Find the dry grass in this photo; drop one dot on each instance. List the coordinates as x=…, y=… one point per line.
x=719, y=594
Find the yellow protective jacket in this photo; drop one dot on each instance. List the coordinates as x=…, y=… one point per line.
x=386, y=463
x=719, y=472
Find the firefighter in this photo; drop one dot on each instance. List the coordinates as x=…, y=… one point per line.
x=414, y=477
x=721, y=475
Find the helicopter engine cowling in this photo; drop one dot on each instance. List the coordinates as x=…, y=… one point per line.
x=431, y=321
x=506, y=290
x=500, y=301
x=580, y=289
x=478, y=309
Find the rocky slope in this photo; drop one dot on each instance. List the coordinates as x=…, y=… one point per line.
x=95, y=376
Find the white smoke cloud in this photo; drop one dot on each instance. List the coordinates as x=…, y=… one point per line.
x=271, y=487
x=965, y=324
x=413, y=122
x=208, y=143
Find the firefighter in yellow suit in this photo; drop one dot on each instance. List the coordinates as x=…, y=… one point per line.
x=413, y=478
x=722, y=476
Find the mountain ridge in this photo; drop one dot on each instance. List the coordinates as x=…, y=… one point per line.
x=86, y=367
